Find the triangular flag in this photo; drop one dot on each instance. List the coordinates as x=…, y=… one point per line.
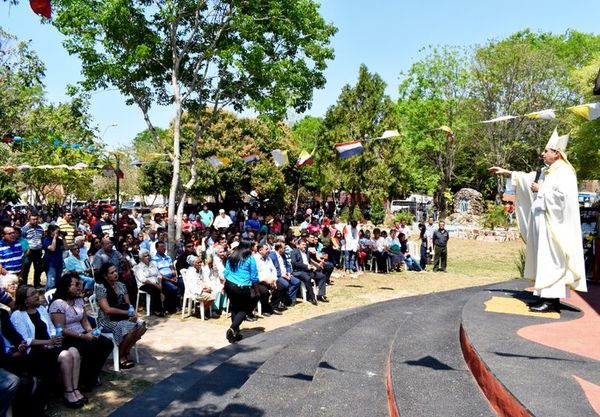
x=389, y=134
x=305, y=158
x=137, y=163
x=120, y=174
x=547, y=114
x=500, y=119
x=449, y=133
x=590, y=111
x=217, y=162
x=250, y=158
x=348, y=149
x=279, y=157
x=80, y=165
x=41, y=7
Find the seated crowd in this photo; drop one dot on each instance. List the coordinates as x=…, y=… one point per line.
x=237, y=261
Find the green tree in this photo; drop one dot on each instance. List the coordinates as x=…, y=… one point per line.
x=435, y=92
x=523, y=73
x=266, y=55
x=362, y=112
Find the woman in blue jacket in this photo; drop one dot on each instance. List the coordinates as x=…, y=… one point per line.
x=241, y=275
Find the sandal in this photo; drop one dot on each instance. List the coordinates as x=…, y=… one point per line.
x=128, y=364
x=83, y=398
x=72, y=404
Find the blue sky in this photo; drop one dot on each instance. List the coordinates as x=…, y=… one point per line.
x=386, y=35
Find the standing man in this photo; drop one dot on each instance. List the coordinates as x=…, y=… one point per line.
x=440, y=244
x=104, y=226
x=33, y=233
x=206, y=216
x=67, y=229
x=548, y=215
x=11, y=253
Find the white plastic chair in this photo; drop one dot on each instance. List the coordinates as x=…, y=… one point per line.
x=140, y=292
x=115, y=351
x=49, y=294
x=189, y=297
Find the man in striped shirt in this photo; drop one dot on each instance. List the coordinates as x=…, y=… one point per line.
x=33, y=233
x=11, y=253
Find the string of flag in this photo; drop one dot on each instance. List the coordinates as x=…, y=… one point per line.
x=589, y=111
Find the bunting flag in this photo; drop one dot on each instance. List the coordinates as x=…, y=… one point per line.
x=547, y=114
x=348, y=149
x=137, y=163
x=25, y=167
x=304, y=158
x=41, y=7
x=449, y=133
x=250, y=158
x=280, y=158
x=500, y=119
x=217, y=162
x=389, y=134
x=119, y=173
x=590, y=111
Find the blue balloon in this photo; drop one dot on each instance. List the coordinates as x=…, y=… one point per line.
x=56, y=142
x=17, y=138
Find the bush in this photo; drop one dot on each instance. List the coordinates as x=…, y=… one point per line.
x=345, y=215
x=407, y=216
x=494, y=216
x=377, y=213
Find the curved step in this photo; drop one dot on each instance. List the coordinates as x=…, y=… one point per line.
x=428, y=373
x=521, y=377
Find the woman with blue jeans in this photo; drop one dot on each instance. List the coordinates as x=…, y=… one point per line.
x=350, y=246
x=53, y=255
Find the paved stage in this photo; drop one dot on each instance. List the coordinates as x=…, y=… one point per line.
x=404, y=357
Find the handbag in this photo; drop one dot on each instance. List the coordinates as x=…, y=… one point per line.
x=119, y=317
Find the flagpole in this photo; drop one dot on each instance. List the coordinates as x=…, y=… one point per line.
x=297, y=196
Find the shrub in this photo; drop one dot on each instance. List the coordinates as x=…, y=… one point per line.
x=407, y=216
x=377, y=213
x=494, y=216
x=345, y=214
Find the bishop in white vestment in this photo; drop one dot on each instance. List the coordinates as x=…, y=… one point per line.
x=548, y=217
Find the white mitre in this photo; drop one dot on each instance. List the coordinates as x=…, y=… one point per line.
x=558, y=143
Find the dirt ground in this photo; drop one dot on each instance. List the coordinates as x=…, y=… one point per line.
x=172, y=343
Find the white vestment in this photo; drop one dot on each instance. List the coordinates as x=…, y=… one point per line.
x=550, y=225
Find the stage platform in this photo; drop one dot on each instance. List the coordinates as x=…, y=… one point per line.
x=470, y=352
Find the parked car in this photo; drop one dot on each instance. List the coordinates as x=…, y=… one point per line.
x=138, y=205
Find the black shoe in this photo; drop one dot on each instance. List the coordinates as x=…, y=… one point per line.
x=72, y=404
x=277, y=312
x=548, y=306
x=536, y=303
x=238, y=336
x=230, y=335
x=265, y=314
x=314, y=302
x=159, y=314
x=250, y=318
x=281, y=307
x=323, y=299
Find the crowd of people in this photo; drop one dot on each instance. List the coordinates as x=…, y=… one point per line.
x=238, y=261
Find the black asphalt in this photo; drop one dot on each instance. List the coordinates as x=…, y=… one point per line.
x=540, y=377
x=335, y=365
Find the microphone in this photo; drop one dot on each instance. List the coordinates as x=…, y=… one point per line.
x=538, y=173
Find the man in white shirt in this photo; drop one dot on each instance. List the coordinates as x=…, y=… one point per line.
x=267, y=277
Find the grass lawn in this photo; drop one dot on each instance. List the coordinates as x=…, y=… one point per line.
x=470, y=263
